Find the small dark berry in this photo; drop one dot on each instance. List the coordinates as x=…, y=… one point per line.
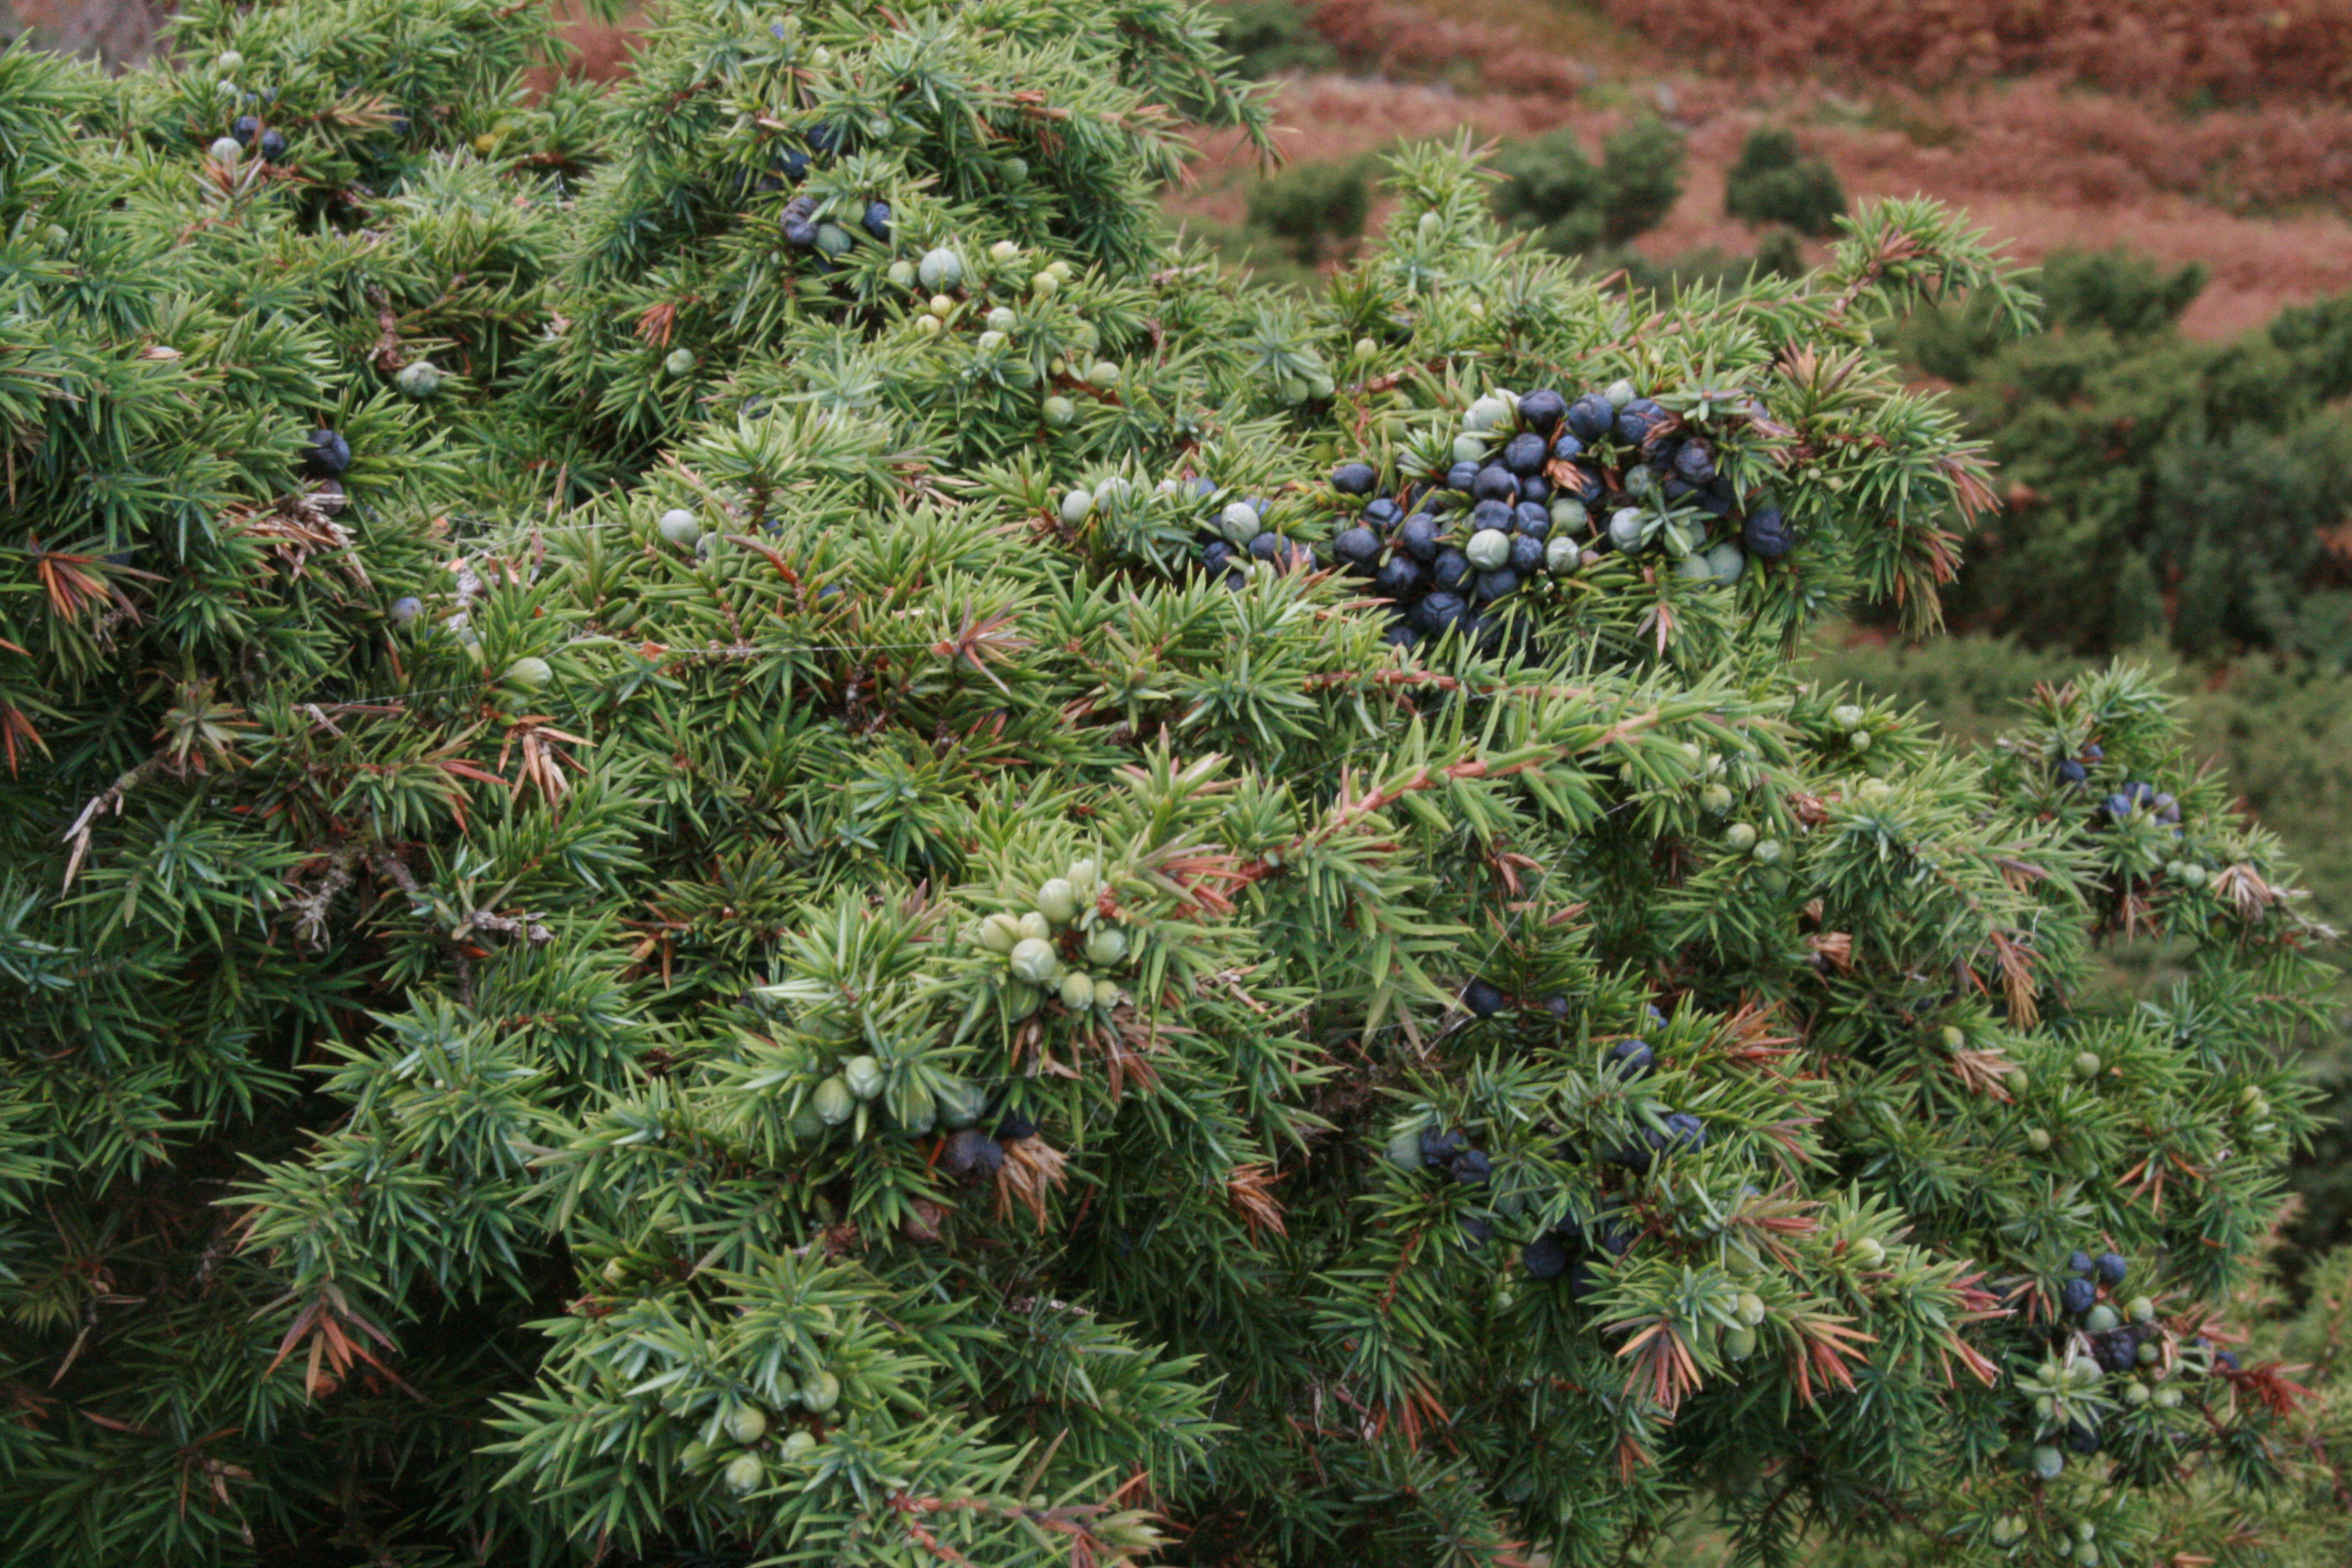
x=1012, y=1127
x=2228, y=1358
x=1483, y=997
x=1438, y=612
x=1639, y=420
x=1591, y=416
x=800, y=234
x=2078, y=1296
x=1542, y=410
x=1401, y=636
x=1585, y=1280
x=1491, y=514
x=1266, y=546
x=1694, y=461
x=1499, y=584
x=1476, y=1232
x=244, y=129
x=1451, y=569
x=1217, y=555
x=2112, y=1268
x=2095, y=752
x=1629, y=1058
x=1545, y=1258
x=1418, y=537
x=1585, y=483
x=1525, y=453
x=2071, y=771
x=825, y=139
x=1461, y=477
x=1398, y=575
x=2115, y=1351
x=1495, y=482
x=2082, y=1438
x=1531, y=520
x=1527, y=555
x=1353, y=478
x=1684, y=1131
x=1440, y=1146
x=1383, y=513
x=877, y=219
x=1614, y=1238
x=273, y=147
x=1767, y=534
x=1567, y=449
x=326, y=455
x=2078, y=1263
x=1534, y=487
x=1471, y=1166
x=1357, y=546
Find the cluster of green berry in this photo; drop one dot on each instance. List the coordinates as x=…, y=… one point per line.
x=1056, y=947
x=741, y=1436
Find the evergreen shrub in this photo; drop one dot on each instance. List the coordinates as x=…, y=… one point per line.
x=792, y=912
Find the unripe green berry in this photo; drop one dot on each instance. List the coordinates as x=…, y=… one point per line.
x=834, y=1102
x=2134, y=1392
x=748, y=1425
x=927, y=326
x=1739, y=1341
x=679, y=526
x=1750, y=1308
x=1767, y=851
x=940, y=306
x=1003, y=251
x=1034, y=924
x=527, y=674
x=1869, y=1252
x=1103, y=373
x=1106, y=994
x=679, y=363
x=821, y=1393
x=1858, y=740
x=1034, y=961
x=226, y=151
x=999, y=933
x=2142, y=1309
x=2038, y=1141
x=1077, y=990
x=1846, y=716
x=1057, y=901
x=989, y=341
x=940, y=269
x=1716, y=798
x=2048, y=1463
x=901, y=274
x=1739, y=837
x=1075, y=505
x=2087, y=1064
x=744, y=1474
x=2166, y=1398
x=798, y=1444
x=2101, y=1319
x=1954, y=1038
x=1105, y=945
x=864, y=1075
x=1060, y=412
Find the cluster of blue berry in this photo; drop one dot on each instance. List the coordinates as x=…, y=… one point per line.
x=1539, y=486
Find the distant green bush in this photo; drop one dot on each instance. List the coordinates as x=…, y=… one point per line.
x=1315, y=209
x=2194, y=494
x=1773, y=183
x=1269, y=37
x=1574, y=207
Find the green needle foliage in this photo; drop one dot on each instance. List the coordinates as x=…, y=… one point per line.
x=695, y=960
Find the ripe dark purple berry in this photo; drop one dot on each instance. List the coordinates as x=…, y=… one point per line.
x=1694, y=461
x=1567, y=449
x=1217, y=555
x=1357, y=546
x=1591, y=416
x=1629, y=1058
x=2082, y=1438
x=1499, y=584
x=1684, y=1131
x=1471, y=1166
x=2112, y=1268
x=1495, y=482
x=1012, y=1127
x=1639, y=420
x=877, y=219
x=2228, y=1358
x=1767, y=534
x=1527, y=555
x=1491, y=514
x=1525, y=453
x=1353, y=478
x=1383, y=513
x=244, y=129
x=1585, y=483
x=1439, y=1146
x=1400, y=575
x=1438, y=612
x=800, y=234
x=825, y=138
x=1531, y=520
x=2095, y=752
x=1545, y=1257
x=1534, y=487
x=326, y=455
x=272, y=147
x=1542, y=410
x=1461, y=477
x=1483, y=997
x=1418, y=536
x=1266, y=546
x=2078, y=1262
x=1451, y=569
x=2078, y=1296
x=2071, y=771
